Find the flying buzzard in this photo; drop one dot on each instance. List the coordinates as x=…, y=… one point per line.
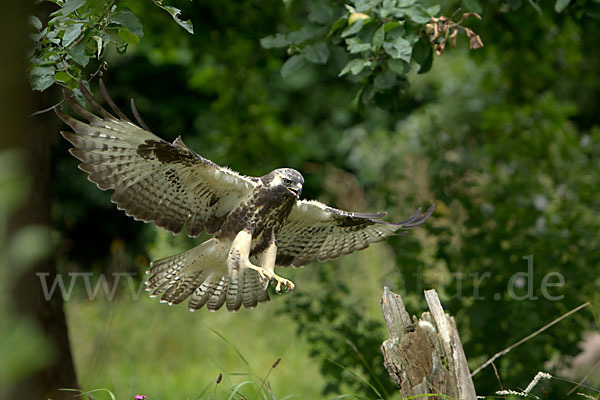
x=257, y=222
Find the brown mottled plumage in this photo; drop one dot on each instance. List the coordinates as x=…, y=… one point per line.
x=258, y=222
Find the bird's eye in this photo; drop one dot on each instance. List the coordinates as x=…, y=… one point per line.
x=286, y=181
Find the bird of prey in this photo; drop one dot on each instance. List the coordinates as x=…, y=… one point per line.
x=258, y=222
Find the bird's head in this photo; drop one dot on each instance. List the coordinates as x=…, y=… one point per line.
x=288, y=178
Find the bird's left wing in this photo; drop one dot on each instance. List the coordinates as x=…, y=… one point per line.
x=153, y=180
x=314, y=231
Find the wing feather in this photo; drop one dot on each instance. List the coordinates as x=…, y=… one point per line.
x=153, y=180
x=314, y=231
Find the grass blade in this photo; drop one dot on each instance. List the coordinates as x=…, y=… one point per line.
x=89, y=392
x=232, y=345
x=373, y=388
x=238, y=387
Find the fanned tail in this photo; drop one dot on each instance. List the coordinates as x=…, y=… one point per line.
x=201, y=274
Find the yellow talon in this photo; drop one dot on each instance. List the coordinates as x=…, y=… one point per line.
x=289, y=285
x=264, y=275
x=267, y=276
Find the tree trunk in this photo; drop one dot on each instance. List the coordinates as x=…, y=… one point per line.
x=425, y=356
x=33, y=136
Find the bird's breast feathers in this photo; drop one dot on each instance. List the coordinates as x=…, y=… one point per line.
x=266, y=209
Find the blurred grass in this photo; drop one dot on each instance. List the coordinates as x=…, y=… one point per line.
x=145, y=347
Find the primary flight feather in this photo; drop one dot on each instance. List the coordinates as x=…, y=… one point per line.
x=258, y=222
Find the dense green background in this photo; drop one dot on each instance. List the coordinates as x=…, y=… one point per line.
x=505, y=140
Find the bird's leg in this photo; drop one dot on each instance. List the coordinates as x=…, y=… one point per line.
x=267, y=260
x=239, y=254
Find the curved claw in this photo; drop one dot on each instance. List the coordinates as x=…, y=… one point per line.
x=266, y=276
x=289, y=285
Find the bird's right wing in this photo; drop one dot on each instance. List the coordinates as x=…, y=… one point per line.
x=316, y=232
x=153, y=180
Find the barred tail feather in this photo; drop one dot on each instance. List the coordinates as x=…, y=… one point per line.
x=253, y=291
x=201, y=274
x=234, y=294
x=245, y=289
x=219, y=291
x=199, y=297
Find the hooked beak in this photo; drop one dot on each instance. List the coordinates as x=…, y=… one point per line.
x=296, y=190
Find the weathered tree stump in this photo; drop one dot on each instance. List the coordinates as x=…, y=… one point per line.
x=425, y=356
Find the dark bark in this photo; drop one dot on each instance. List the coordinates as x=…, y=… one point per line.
x=34, y=136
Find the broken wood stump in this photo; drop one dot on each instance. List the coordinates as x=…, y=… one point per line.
x=425, y=356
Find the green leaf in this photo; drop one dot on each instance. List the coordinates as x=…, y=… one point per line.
x=354, y=28
x=355, y=45
x=35, y=22
x=62, y=76
x=42, y=70
x=559, y=6
x=427, y=63
x=367, y=96
x=35, y=37
x=388, y=26
x=423, y=55
x=385, y=80
x=75, y=76
x=337, y=25
x=364, y=5
x=106, y=39
x=70, y=6
x=417, y=14
x=129, y=20
x=399, y=49
x=355, y=66
x=42, y=78
x=176, y=15
x=398, y=66
x=472, y=5
x=321, y=12
x=293, y=65
x=99, y=46
x=276, y=41
x=305, y=33
x=378, y=37
x=128, y=37
x=434, y=10
x=79, y=55
x=317, y=53
x=71, y=33
x=356, y=98
x=386, y=8
x=78, y=94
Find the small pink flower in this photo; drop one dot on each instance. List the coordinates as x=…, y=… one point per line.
x=140, y=397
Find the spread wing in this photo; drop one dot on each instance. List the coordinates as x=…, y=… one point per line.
x=314, y=231
x=153, y=180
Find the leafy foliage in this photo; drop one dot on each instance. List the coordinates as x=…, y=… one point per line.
x=76, y=32
x=79, y=31
x=176, y=14
x=372, y=42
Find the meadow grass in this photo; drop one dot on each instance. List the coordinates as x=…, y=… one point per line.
x=168, y=352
